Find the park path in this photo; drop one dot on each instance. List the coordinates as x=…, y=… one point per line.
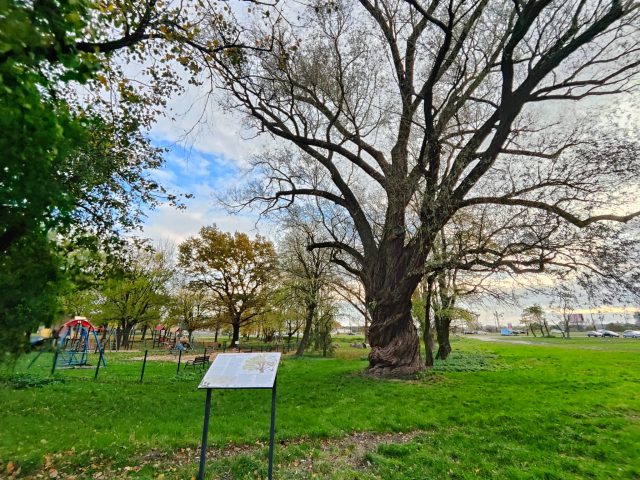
x=509, y=340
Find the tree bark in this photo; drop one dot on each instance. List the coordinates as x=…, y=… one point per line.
x=546, y=327
x=236, y=333
x=428, y=334
x=124, y=335
x=366, y=330
x=306, y=335
x=118, y=338
x=443, y=322
x=395, y=345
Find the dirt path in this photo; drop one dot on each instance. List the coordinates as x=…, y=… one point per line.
x=340, y=453
x=173, y=358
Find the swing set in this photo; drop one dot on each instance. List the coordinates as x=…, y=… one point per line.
x=73, y=343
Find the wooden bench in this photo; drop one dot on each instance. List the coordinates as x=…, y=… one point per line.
x=198, y=361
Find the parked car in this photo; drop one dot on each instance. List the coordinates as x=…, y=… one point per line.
x=594, y=333
x=631, y=334
x=609, y=333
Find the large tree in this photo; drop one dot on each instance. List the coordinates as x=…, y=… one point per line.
x=237, y=270
x=393, y=104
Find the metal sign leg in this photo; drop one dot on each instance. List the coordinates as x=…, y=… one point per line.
x=272, y=432
x=205, y=431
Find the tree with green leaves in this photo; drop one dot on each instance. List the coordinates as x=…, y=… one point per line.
x=323, y=322
x=30, y=276
x=69, y=167
x=237, y=271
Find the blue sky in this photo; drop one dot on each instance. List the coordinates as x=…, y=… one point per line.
x=206, y=176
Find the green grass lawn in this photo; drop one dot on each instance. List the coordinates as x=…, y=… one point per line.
x=553, y=410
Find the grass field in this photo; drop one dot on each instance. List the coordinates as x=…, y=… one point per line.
x=554, y=409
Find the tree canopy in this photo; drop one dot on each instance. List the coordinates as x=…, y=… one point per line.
x=236, y=269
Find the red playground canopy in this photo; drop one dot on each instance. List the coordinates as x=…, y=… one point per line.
x=77, y=321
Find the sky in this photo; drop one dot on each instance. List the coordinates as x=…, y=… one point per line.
x=208, y=153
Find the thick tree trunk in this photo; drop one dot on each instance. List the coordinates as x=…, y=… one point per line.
x=125, y=333
x=306, y=335
x=215, y=338
x=443, y=322
x=144, y=332
x=236, y=333
x=395, y=345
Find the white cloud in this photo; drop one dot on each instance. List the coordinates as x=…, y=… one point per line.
x=168, y=223
x=196, y=120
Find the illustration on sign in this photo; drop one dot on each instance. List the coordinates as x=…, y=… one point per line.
x=242, y=370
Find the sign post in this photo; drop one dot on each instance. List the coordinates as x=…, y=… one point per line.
x=235, y=371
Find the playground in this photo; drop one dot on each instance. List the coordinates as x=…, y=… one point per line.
x=494, y=410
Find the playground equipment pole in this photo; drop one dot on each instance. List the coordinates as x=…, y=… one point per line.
x=179, y=360
x=95, y=377
x=144, y=363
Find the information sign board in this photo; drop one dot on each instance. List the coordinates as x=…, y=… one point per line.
x=242, y=370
